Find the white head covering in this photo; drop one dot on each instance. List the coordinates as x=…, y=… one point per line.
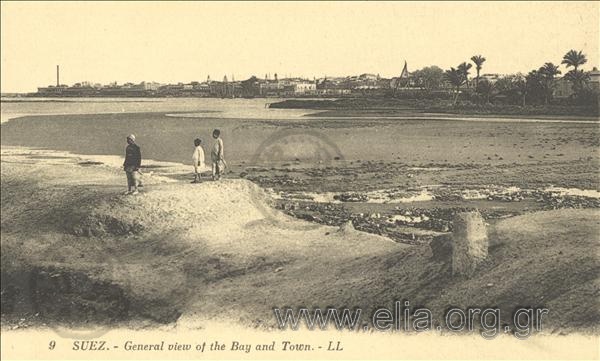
x=131, y=136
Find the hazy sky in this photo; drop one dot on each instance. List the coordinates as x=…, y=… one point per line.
x=172, y=42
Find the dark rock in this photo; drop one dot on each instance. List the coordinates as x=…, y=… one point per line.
x=351, y=197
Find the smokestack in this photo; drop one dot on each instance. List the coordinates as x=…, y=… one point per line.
x=57, y=76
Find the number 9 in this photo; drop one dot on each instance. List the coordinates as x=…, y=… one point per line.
x=52, y=345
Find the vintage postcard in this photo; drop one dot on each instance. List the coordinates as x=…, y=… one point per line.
x=300, y=180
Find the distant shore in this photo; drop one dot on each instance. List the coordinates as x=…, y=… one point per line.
x=71, y=100
x=389, y=107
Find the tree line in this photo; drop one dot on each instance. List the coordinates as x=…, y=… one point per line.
x=534, y=88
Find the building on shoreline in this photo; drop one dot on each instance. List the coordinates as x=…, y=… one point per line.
x=363, y=84
x=252, y=87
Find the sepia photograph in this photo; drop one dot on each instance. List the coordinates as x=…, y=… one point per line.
x=300, y=180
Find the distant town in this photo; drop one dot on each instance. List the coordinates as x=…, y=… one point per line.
x=268, y=86
x=539, y=85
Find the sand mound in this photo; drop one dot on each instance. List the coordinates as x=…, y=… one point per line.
x=208, y=206
x=158, y=251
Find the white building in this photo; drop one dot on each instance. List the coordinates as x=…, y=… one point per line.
x=492, y=78
x=305, y=88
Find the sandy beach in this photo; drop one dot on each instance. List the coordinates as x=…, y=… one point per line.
x=165, y=258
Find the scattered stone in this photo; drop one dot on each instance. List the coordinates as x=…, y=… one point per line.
x=437, y=219
x=351, y=197
x=346, y=227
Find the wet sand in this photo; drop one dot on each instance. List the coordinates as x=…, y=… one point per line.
x=432, y=168
x=413, y=142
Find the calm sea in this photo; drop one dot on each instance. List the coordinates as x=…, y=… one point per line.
x=198, y=107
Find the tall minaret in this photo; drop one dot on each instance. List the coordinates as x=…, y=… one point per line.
x=57, y=76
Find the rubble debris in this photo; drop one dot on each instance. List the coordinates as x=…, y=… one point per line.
x=351, y=197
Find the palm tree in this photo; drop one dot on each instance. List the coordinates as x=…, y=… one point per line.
x=486, y=88
x=574, y=59
x=520, y=84
x=464, y=70
x=478, y=60
x=533, y=85
x=456, y=78
x=548, y=72
x=578, y=78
